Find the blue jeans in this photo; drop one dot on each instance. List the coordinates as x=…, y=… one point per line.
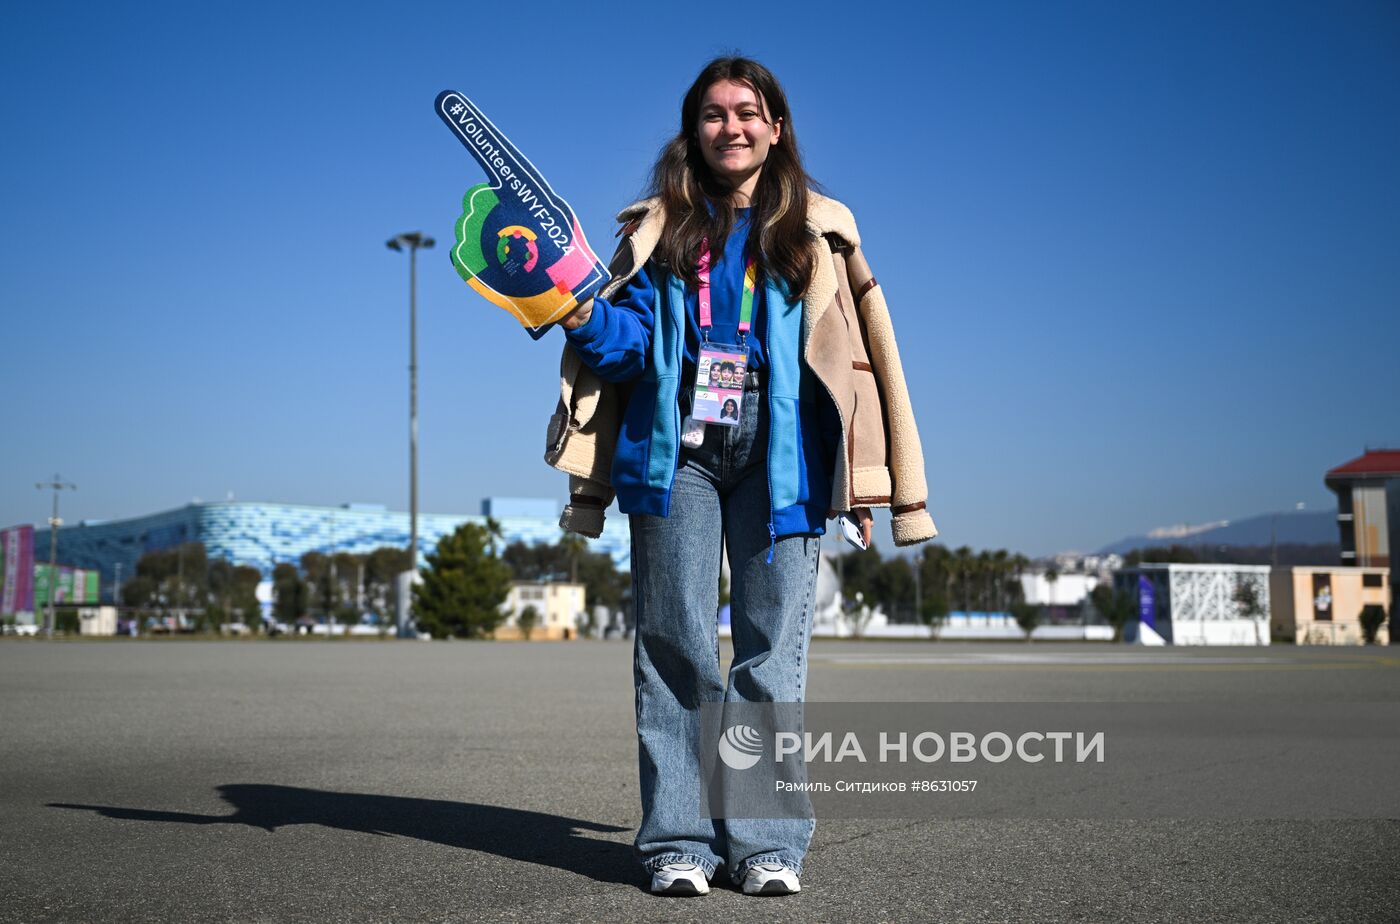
x=720, y=493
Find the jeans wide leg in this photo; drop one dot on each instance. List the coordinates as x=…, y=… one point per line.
x=720, y=495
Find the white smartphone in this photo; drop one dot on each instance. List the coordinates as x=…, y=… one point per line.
x=852, y=531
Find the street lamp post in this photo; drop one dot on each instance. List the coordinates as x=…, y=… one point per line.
x=333, y=594
x=1273, y=535
x=412, y=240
x=54, y=523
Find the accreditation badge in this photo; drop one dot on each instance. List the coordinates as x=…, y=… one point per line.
x=719, y=384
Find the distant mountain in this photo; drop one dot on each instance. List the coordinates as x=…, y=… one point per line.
x=1306, y=528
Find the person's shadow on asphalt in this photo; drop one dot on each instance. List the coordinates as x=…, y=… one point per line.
x=532, y=837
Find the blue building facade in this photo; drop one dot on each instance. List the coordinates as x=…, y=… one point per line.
x=265, y=535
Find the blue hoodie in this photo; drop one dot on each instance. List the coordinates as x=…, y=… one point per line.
x=648, y=333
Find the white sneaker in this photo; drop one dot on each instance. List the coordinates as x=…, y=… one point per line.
x=771, y=879
x=680, y=879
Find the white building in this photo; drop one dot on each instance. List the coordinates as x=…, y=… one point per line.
x=561, y=607
x=1197, y=604
x=97, y=620
x=1067, y=590
x=1082, y=563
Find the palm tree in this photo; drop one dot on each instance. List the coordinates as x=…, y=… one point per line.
x=984, y=573
x=961, y=569
x=1019, y=564
x=1051, y=576
x=573, y=545
x=493, y=534
x=948, y=573
x=1000, y=563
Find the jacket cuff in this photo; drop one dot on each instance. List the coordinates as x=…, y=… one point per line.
x=583, y=515
x=587, y=334
x=912, y=527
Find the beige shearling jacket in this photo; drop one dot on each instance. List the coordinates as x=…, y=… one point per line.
x=848, y=343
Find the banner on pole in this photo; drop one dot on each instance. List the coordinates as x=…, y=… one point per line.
x=17, y=570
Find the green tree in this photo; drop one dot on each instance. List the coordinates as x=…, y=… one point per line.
x=495, y=537
x=934, y=612
x=1247, y=599
x=603, y=583
x=347, y=585
x=231, y=596
x=1116, y=607
x=382, y=569
x=1001, y=572
x=947, y=580
x=65, y=621
x=333, y=581
x=894, y=588
x=141, y=591
x=192, y=575
x=961, y=568
x=528, y=619
x=859, y=576
x=935, y=588
x=1027, y=616
x=540, y=561
x=216, y=601
x=246, y=605
x=1015, y=590
x=1372, y=617
x=316, y=571
x=984, y=575
x=348, y=573
x=289, y=594
x=173, y=580
x=573, y=546
x=463, y=586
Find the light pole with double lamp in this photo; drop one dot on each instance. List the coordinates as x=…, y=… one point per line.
x=58, y=484
x=412, y=241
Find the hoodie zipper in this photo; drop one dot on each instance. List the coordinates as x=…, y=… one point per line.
x=768, y=468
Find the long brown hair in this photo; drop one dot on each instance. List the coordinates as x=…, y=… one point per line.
x=779, y=239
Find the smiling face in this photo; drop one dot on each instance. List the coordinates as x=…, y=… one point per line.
x=734, y=135
x=714, y=373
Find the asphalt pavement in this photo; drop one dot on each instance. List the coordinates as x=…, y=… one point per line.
x=316, y=780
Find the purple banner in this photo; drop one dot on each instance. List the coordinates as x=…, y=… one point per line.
x=1147, y=602
x=17, y=569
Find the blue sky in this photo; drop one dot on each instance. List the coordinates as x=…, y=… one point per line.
x=1143, y=259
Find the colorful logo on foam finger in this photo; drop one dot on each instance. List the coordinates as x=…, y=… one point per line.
x=516, y=249
x=517, y=243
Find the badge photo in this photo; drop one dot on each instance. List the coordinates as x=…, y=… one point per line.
x=719, y=384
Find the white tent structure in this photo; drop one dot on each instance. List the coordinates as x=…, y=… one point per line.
x=1196, y=604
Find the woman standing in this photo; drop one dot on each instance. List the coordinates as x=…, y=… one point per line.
x=733, y=255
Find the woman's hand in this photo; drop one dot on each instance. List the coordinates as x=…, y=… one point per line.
x=579, y=316
x=866, y=521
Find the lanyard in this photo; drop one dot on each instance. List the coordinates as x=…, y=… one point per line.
x=745, y=305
